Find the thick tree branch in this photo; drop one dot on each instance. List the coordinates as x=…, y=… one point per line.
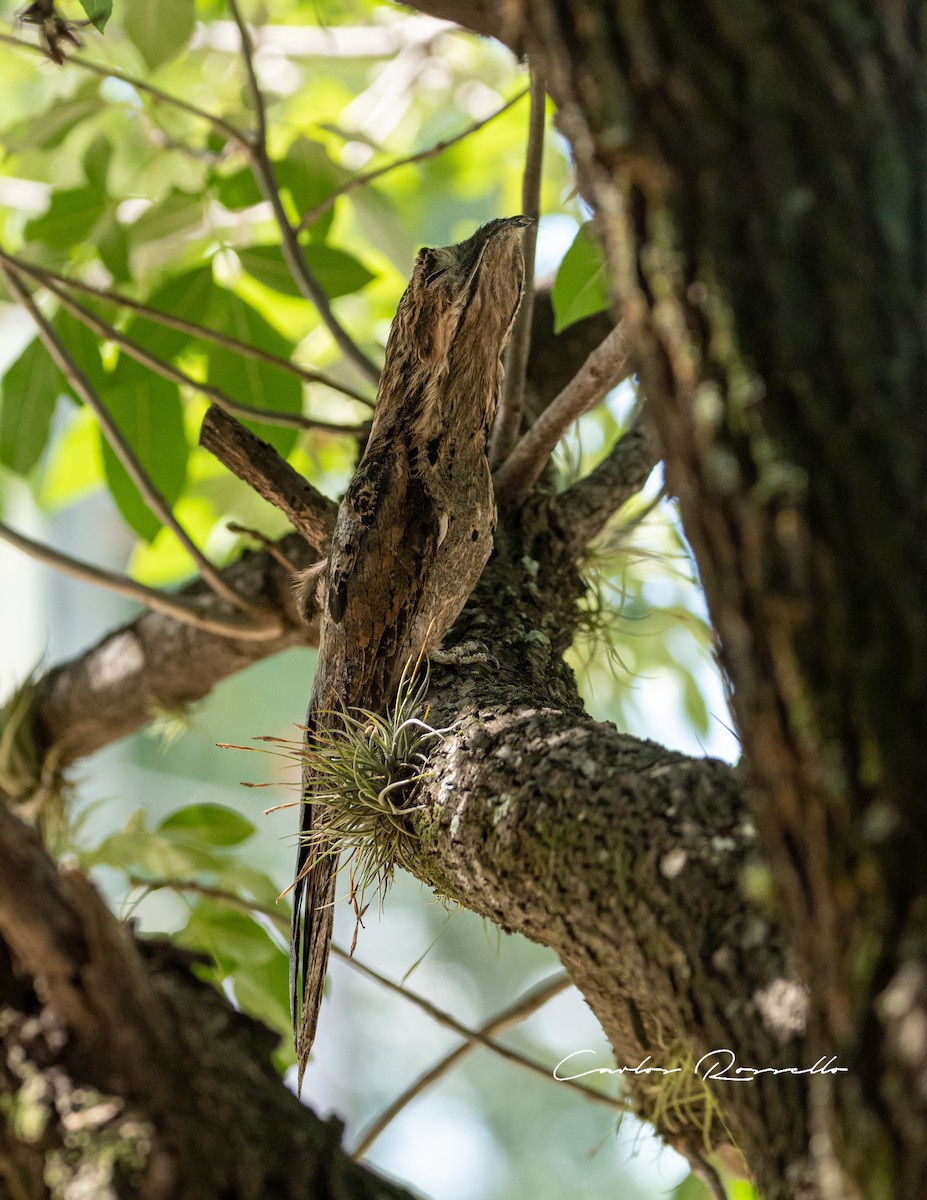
x=108, y=691
x=127, y=1032
x=103, y=694
x=586, y=507
x=262, y=468
x=625, y=859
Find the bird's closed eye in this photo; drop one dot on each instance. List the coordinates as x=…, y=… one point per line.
x=436, y=275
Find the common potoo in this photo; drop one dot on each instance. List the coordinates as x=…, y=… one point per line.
x=414, y=530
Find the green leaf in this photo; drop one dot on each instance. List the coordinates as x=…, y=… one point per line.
x=112, y=245
x=247, y=380
x=581, y=286
x=73, y=465
x=83, y=348
x=176, y=212
x=30, y=389
x=140, y=851
x=239, y=190
x=187, y=296
x=96, y=161
x=694, y=704
x=99, y=11
x=149, y=413
x=212, y=823
x=231, y=937
x=28, y=393
x=69, y=218
x=48, y=129
x=310, y=176
x=337, y=271
x=262, y=990
x=158, y=30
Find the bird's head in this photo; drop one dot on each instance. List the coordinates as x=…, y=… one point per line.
x=474, y=286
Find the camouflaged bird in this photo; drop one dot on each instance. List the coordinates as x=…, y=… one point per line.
x=413, y=533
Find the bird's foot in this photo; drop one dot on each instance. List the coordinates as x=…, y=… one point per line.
x=465, y=654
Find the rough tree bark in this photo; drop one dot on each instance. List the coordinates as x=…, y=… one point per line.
x=759, y=174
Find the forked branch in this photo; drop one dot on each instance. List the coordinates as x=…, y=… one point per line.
x=155, y=502
x=605, y=368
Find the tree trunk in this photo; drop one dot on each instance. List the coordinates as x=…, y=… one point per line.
x=759, y=176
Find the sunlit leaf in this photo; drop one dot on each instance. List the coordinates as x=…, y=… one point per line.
x=212, y=823
x=187, y=296
x=262, y=990
x=48, y=129
x=96, y=161
x=69, y=218
x=73, y=466
x=98, y=11
x=337, y=271
x=82, y=347
x=178, y=211
x=581, y=286
x=27, y=400
x=694, y=703
x=311, y=176
x=112, y=245
x=148, y=411
x=247, y=380
x=238, y=190
x=158, y=30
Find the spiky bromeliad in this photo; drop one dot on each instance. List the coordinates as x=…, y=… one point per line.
x=413, y=533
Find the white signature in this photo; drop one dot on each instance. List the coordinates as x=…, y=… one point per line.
x=720, y=1065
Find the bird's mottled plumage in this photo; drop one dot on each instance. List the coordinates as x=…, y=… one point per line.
x=415, y=527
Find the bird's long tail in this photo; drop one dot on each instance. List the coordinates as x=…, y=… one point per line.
x=311, y=928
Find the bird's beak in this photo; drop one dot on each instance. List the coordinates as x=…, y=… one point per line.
x=521, y=221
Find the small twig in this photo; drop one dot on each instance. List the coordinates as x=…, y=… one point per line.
x=263, y=170
x=140, y=85
x=605, y=367
x=360, y=181
x=282, y=922
x=514, y=1015
x=508, y=418
x=262, y=468
x=168, y=371
x=190, y=327
x=474, y=1035
x=586, y=506
x=169, y=606
x=257, y=96
x=268, y=545
x=121, y=448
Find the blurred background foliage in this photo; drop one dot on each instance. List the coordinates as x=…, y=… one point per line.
x=105, y=182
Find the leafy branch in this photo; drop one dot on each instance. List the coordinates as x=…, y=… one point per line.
x=153, y=498
x=203, y=332
x=263, y=170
